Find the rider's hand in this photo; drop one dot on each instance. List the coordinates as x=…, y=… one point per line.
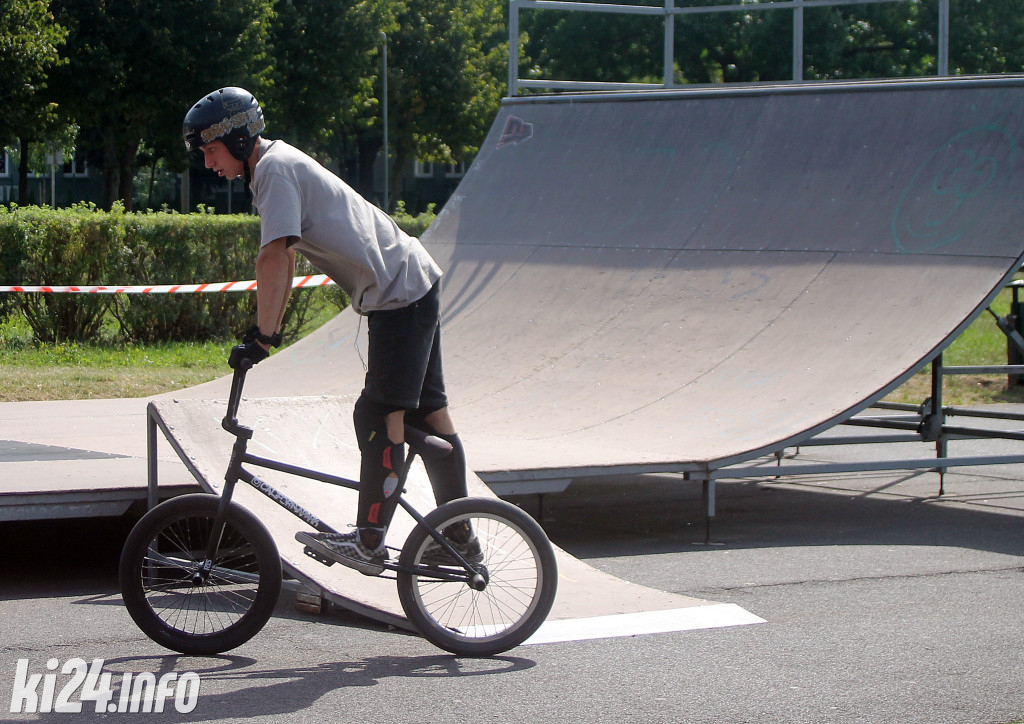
x=252, y=351
x=253, y=334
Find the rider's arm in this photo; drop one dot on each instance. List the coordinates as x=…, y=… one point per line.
x=275, y=266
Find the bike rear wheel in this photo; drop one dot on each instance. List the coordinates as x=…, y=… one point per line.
x=519, y=568
x=178, y=604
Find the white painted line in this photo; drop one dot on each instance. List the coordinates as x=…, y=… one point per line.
x=645, y=622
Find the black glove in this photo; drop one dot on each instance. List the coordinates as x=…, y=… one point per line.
x=251, y=351
x=253, y=334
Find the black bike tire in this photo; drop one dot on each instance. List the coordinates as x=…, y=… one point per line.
x=251, y=536
x=411, y=586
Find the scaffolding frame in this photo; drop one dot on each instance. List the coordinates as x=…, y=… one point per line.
x=670, y=11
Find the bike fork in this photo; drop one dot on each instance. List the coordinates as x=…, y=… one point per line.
x=220, y=519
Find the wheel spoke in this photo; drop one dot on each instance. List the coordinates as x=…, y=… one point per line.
x=186, y=602
x=519, y=568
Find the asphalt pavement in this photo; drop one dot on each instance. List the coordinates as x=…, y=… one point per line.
x=882, y=602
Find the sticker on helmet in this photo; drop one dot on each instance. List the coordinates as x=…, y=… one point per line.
x=251, y=119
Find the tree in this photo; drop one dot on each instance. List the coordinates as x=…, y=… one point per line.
x=739, y=46
x=986, y=36
x=445, y=77
x=859, y=40
x=319, y=100
x=134, y=67
x=325, y=56
x=887, y=40
x=29, y=47
x=586, y=46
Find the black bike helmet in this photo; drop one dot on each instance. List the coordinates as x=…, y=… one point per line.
x=232, y=115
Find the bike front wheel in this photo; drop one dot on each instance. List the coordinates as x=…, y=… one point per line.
x=518, y=566
x=189, y=604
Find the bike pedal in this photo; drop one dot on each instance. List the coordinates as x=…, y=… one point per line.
x=318, y=557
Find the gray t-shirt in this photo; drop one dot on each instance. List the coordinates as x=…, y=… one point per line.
x=345, y=236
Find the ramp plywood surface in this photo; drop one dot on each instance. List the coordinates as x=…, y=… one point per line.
x=700, y=277
x=317, y=433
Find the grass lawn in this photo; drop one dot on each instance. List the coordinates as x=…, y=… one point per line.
x=94, y=371
x=73, y=372
x=106, y=369
x=981, y=344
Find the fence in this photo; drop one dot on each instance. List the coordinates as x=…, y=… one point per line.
x=670, y=12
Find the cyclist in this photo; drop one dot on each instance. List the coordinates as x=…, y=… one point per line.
x=390, y=278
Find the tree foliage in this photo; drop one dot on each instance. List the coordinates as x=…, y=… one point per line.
x=445, y=77
x=325, y=61
x=30, y=41
x=986, y=36
x=134, y=68
x=445, y=67
x=867, y=40
x=321, y=92
x=126, y=71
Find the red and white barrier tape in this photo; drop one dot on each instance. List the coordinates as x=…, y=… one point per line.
x=313, y=280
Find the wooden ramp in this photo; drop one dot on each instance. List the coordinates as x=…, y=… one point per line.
x=316, y=432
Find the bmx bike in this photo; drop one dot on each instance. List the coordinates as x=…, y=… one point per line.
x=200, y=574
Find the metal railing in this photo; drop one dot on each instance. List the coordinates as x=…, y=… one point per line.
x=670, y=11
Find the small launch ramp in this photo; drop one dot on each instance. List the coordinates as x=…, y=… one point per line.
x=683, y=280
x=317, y=433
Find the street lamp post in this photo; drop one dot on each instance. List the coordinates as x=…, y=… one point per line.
x=384, y=92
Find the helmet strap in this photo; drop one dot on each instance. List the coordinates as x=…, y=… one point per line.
x=248, y=179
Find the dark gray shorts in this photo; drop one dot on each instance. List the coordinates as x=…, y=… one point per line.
x=403, y=368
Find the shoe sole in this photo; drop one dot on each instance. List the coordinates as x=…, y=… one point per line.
x=364, y=567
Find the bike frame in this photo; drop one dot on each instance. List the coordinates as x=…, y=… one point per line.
x=235, y=472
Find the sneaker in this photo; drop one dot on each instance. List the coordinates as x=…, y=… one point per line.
x=347, y=549
x=462, y=539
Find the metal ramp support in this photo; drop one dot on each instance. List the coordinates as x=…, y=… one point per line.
x=927, y=422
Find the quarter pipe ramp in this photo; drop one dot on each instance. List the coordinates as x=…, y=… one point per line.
x=687, y=279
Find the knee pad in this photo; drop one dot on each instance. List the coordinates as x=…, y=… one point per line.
x=448, y=474
x=380, y=467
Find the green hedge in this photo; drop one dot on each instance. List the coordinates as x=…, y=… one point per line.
x=187, y=249
x=83, y=246
x=414, y=225
x=77, y=246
